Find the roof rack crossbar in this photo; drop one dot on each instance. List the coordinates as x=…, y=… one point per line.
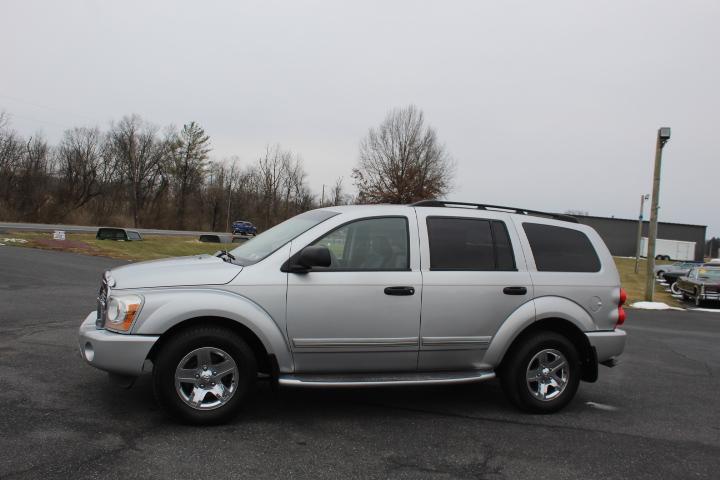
x=482, y=206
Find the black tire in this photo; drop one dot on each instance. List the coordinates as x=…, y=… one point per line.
x=182, y=344
x=660, y=273
x=514, y=369
x=674, y=288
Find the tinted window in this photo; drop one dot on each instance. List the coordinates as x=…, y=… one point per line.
x=559, y=249
x=469, y=244
x=110, y=234
x=369, y=244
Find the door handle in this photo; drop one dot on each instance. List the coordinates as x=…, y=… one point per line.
x=399, y=291
x=514, y=290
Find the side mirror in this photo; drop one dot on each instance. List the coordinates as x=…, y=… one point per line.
x=309, y=257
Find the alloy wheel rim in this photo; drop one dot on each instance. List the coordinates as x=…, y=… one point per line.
x=206, y=378
x=547, y=374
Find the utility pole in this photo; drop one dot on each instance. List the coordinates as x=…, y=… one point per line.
x=639, y=234
x=227, y=222
x=663, y=136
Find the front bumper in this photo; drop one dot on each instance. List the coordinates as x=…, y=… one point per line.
x=113, y=352
x=608, y=344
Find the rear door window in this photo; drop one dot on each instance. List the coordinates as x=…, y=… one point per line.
x=560, y=249
x=469, y=244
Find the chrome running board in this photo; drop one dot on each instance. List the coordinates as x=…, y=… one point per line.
x=382, y=379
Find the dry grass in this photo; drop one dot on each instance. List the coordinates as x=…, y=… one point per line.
x=634, y=283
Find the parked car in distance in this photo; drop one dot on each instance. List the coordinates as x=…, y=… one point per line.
x=672, y=277
x=334, y=298
x=676, y=267
x=109, y=233
x=241, y=227
x=700, y=284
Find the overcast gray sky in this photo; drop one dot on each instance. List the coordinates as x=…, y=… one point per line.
x=549, y=105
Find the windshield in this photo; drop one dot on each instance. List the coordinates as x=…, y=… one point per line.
x=708, y=274
x=252, y=251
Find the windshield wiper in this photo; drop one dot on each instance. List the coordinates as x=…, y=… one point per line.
x=226, y=256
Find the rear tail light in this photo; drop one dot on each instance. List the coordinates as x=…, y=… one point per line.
x=621, y=312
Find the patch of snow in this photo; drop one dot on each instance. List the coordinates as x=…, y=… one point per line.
x=654, y=306
x=715, y=310
x=14, y=240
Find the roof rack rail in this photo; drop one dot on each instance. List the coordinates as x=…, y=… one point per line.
x=481, y=206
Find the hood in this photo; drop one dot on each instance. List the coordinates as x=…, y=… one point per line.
x=175, y=272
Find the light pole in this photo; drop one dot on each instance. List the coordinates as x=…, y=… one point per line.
x=663, y=136
x=639, y=234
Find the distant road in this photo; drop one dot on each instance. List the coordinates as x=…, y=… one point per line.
x=44, y=227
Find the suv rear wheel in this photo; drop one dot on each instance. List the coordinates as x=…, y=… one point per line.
x=202, y=374
x=541, y=373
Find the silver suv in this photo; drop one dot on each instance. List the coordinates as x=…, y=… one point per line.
x=429, y=293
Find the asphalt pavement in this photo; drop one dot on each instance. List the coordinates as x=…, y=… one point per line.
x=656, y=415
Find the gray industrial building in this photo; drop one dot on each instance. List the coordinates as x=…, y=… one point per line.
x=620, y=234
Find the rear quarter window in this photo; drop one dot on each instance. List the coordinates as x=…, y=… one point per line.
x=560, y=249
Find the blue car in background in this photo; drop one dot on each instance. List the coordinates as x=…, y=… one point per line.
x=241, y=227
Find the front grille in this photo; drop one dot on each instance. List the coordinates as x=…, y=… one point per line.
x=101, y=304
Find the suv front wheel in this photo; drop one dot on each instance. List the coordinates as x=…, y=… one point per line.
x=202, y=374
x=541, y=373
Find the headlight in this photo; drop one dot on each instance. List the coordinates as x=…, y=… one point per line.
x=121, y=312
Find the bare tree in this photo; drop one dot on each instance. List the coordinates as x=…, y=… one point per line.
x=131, y=175
x=221, y=183
x=337, y=194
x=11, y=150
x=402, y=161
x=140, y=157
x=188, y=152
x=271, y=172
x=293, y=183
x=84, y=167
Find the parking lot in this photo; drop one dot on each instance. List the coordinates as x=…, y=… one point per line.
x=656, y=415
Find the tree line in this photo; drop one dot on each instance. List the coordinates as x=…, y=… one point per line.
x=137, y=174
